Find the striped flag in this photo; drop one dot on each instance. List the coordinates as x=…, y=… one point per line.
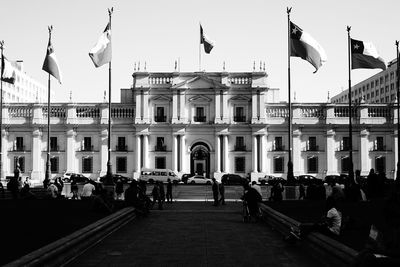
x=7, y=71
x=305, y=46
x=208, y=44
x=365, y=56
x=50, y=64
x=101, y=53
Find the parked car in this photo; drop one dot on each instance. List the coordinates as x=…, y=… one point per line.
x=308, y=180
x=231, y=179
x=115, y=178
x=185, y=177
x=331, y=179
x=199, y=179
x=77, y=177
x=275, y=180
x=264, y=180
x=162, y=175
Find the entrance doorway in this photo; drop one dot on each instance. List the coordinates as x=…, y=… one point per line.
x=200, y=159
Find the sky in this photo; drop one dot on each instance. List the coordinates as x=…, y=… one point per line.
x=159, y=32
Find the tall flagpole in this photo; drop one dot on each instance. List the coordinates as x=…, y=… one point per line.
x=351, y=173
x=1, y=111
x=201, y=36
x=109, y=179
x=48, y=165
x=398, y=112
x=290, y=175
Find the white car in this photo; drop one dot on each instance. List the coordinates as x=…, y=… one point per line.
x=199, y=179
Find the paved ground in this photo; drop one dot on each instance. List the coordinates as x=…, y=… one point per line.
x=194, y=234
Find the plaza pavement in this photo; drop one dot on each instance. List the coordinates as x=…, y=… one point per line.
x=194, y=234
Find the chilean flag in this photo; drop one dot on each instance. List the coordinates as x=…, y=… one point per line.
x=365, y=56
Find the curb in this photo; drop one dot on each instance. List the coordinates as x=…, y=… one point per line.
x=325, y=249
x=64, y=250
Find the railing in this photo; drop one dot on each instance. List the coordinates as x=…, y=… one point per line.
x=277, y=112
x=377, y=147
x=239, y=118
x=160, y=118
x=240, y=80
x=122, y=112
x=19, y=111
x=55, y=111
x=240, y=148
x=344, y=112
x=160, y=80
x=199, y=118
x=160, y=148
x=278, y=148
x=87, y=148
x=121, y=148
x=88, y=112
x=379, y=112
x=54, y=148
x=18, y=148
x=312, y=148
x=312, y=112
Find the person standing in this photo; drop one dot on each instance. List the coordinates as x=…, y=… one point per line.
x=119, y=188
x=87, y=190
x=221, y=189
x=215, y=191
x=74, y=190
x=169, y=191
x=162, y=192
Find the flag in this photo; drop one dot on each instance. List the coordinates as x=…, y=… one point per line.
x=101, y=53
x=208, y=44
x=7, y=71
x=365, y=56
x=50, y=64
x=305, y=46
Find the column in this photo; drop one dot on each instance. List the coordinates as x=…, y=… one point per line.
x=145, y=151
x=174, y=153
x=331, y=164
x=298, y=161
x=104, y=152
x=217, y=154
x=138, y=106
x=182, y=107
x=254, y=158
x=37, y=167
x=224, y=107
x=70, y=149
x=183, y=154
x=365, y=162
x=226, y=154
x=138, y=153
x=217, y=107
x=254, y=106
x=146, y=106
x=264, y=160
x=396, y=153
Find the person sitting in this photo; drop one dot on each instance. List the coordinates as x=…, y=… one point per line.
x=52, y=190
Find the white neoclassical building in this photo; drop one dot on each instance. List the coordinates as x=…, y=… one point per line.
x=198, y=122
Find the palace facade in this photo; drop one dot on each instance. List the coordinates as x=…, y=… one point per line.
x=198, y=122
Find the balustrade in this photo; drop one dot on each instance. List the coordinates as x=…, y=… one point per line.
x=20, y=111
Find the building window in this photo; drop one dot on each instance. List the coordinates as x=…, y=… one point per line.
x=382, y=91
x=387, y=99
x=19, y=144
x=312, y=164
x=239, y=115
x=160, y=162
x=53, y=144
x=372, y=85
x=87, y=165
x=367, y=96
x=345, y=144
x=380, y=164
x=121, y=164
x=312, y=144
x=240, y=164
x=387, y=88
x=345, y=164
x=391, y=86
x=121, y=144
x=278, y=144
x=379, y=144
x=54, y=164
x=160, y=144
x=239, y=145
x=278, y=164
x=87, y=144
x=200, y=117
x=21, y=161
x=160, y=115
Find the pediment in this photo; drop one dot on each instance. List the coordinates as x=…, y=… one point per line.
x=240, y=98
x=161, y=98
x=199, y=82
x=200, y=98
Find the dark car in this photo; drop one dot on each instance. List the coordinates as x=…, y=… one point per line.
x=231, y=179
x=264, y=180
x=78, y=178
x=308, y=180
x=185, y=177
x=115, y=177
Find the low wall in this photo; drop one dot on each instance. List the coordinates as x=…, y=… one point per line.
x=325, y=249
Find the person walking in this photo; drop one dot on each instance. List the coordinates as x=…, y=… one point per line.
x=215, y=191
x=169, y=191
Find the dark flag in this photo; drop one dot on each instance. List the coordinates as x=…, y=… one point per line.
x=365, y=56
x=7, y=71
x=208, y=44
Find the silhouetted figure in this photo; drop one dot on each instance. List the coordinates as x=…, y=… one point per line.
x=276, y=192
x=119, y=188
x=60, y=185
x=252, y=198
x=156, y=195
x=162, y=191
x=221, y=189
x=169, y=191
x=74, y=190
x=52, y=190
x=372, y=183
x=380, y=184
x=88, y=190
x=26, y=193
x=215, y=191
x=352, y=188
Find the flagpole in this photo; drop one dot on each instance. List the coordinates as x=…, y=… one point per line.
x=398, y=113
x=109, y=180
x=200, y=49
x=290, y=175
x=1, y=111
x=351, y=173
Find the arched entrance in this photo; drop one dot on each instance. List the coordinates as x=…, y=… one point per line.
x=200, y=159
